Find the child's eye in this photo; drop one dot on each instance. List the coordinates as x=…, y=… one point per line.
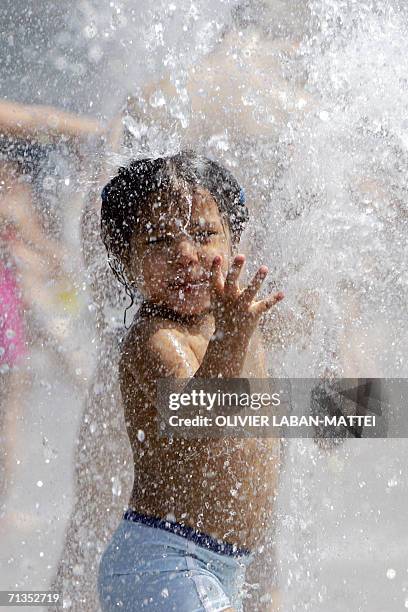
x=204, y=236
x=160, y=239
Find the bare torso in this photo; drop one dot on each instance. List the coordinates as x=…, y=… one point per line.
x=223, y=487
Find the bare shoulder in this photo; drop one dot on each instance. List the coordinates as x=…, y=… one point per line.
x=155, y=348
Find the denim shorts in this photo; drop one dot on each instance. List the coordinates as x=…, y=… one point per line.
x=155, y=565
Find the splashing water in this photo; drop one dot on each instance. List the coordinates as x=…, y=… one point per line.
x=306, y=103
x=325, y=175
x=340, y=198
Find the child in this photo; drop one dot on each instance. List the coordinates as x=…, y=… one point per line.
x=198, y=507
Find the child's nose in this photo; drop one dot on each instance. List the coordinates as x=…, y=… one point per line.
x=186, y=252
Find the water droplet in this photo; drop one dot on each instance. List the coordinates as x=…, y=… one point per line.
x=90, y=31
x=391, y=573
x=78, y=570
x=48, y=452
x=48, y=183
x=157, y=99
x=95, y=54
x=39, y=483
x=116, y=486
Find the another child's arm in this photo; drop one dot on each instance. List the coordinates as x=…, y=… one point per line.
x=45, y=122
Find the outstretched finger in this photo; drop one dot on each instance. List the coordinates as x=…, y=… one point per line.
x=263, y=305
x=250, y=292
x=234, y=272
x=216, y=279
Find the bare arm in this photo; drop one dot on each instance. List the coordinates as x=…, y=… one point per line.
x=158, y=355
x=32, y=245
x=25, y=121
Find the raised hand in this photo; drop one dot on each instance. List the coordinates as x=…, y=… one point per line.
x=235, y=310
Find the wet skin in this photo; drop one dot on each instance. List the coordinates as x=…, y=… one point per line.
x=224, y=487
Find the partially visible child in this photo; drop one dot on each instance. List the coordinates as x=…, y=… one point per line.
x=13, y=348
x=198, y=508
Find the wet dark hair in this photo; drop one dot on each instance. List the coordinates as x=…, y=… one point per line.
x=127, y=195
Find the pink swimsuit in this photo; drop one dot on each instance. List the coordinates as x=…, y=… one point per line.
x=12, y=334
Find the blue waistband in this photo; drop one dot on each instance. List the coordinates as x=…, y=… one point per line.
x=198, y=537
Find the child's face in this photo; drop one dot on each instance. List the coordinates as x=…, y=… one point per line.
x=173, y=248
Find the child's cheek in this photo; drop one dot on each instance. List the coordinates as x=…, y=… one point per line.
x=154, y=271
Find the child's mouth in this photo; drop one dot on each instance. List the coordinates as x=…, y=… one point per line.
x=189, y=286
